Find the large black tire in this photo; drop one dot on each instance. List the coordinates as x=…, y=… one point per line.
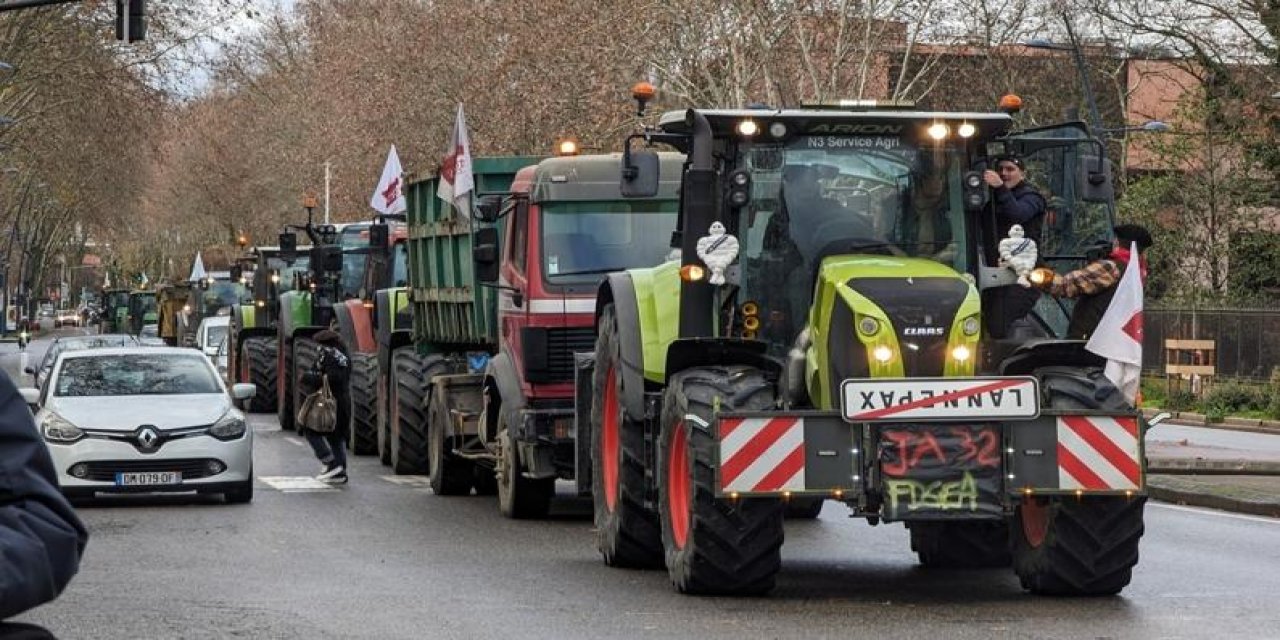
x=259, y=354
x=306, y=353
x=519, y=497
x=713, y=546
x=384, y=416
x=411, y=374
x=284, y=386
x=962, y=544
x=449, y=474
x=362, y=439
x=803, y=508
x=627, y=533
x=1077, y=546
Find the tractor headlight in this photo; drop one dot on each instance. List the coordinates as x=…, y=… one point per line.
x=58, y=429
x=971, y=326
x=961, y=353
x=229, y=427
x=882, y=354
x=868, y=326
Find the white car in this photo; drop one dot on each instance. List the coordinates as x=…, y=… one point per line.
x=211, y=333
x=144, y=419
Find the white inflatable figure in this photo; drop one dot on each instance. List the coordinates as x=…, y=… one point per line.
x=717, y=250
x=1019, y=254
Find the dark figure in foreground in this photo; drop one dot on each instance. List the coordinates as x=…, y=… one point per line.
x=41, y=538
x=330, y=448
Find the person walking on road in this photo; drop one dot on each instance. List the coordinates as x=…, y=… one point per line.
x=41, y=538
x=330, y=448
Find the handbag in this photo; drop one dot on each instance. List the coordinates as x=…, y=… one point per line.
x=319, y=411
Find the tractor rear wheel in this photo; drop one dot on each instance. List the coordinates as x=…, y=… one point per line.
x=450, y=475
x=259, y=358
x=1080, y=546
x=409, y=384
x=803, y=508
x=362, y=439
x=713, y=546
x=284, y=385
x=627, y=533
x=961, y=544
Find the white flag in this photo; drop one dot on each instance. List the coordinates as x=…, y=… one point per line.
x=1118, y=337
x=456, y=181
x=197, y=270
x=388, y=196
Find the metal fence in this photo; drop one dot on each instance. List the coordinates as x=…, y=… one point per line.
x=1247, y=341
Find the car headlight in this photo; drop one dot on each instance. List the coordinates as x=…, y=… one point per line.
x=58, y=429
x=229, y=427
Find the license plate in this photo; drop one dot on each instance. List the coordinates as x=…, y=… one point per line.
x=930, y=399
x=146, y=478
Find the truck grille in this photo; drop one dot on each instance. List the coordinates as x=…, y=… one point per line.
x=561, y=345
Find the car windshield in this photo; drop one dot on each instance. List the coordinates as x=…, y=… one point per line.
x=135, y=375
x=582, y=240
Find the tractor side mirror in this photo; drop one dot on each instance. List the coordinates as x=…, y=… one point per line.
x=288, y=245
x=485, y=254
x=639, y=173
x=378, y=235
x=489, y=209
x=1094, y=179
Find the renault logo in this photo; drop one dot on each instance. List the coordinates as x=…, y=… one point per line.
x=148, y=438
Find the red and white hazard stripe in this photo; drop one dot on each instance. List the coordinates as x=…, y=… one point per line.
x=1098, y=453
x=759, y=455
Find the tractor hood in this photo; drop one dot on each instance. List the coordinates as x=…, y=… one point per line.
x=888, y=317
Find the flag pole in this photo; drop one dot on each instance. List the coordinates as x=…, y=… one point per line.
x=326, y=192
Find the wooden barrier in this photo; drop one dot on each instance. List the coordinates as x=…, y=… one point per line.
x=1192, y=360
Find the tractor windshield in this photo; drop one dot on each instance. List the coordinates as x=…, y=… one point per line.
x=583, y=240
x=400, y=265
x=288, y=272
x=224, y=293
x=824, y=196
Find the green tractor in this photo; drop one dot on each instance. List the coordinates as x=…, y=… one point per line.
x=113, y=302
x=143, y=309
x=253, y=353
x=829, y=334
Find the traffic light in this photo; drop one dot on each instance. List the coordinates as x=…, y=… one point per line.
x=137, y=13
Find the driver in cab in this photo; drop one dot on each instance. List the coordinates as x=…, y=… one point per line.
x=813, y=219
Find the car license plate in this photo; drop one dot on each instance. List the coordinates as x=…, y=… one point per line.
x=146, y=478
x=929, y=399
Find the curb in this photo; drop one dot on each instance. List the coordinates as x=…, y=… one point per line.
x=1212, y=467
x=1212, y=501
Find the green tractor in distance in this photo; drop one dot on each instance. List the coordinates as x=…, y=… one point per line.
x=830, y=333
x=113, y=302
x=143, y=310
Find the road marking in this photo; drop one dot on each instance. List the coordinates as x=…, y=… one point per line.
x=409, y=481
x=1214, y=512
x=297, y=484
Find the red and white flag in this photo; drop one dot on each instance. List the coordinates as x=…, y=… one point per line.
x=456, y=181
x=1118, y=337
x=388, y=196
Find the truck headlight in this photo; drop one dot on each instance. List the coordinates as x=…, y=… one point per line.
x=58, y=429
x=228, y=427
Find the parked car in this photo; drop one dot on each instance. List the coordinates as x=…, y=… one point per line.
x=76, y=343
x=142, y=420
x=211, y=332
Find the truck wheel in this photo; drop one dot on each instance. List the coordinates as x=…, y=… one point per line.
x=1083, y=546
x=627, y=532
x=961, y=544
x=284, y=386
x=362, y=439
x=450, y=475
x=803, y=508
x=259, y=358
x=385, y=415
x=713, y=546
x=306, y=353
x=409, y=411
x=519, y=497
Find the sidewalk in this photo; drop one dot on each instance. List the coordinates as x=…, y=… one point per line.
x=1230, y=479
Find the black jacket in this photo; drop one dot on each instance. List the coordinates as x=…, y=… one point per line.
x=41, y=538
x=336, y=364
x=1020, y=205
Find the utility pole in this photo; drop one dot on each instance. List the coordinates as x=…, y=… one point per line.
x=326, y=192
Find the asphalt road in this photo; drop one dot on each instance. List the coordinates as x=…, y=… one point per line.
x=384, y=558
